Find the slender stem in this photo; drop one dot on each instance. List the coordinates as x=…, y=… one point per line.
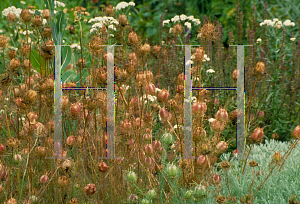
x=247, y=158
x=288, y=153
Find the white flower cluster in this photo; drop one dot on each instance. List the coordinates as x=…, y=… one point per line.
x=277, y=23
x=149, y=97
x=123, y=5
x=107, y=21
x=60, y=4
x=24, y=32
x=75, y=46
x=205, y=58
x=183, y=18
x=12, y=9
x=210, y=71
x=258, y=40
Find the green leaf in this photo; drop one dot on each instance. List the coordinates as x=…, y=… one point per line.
x=66, y=57
x=68, y=75
x=35, y=61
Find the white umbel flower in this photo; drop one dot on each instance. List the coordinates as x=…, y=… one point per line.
x=211, y=120
x=210, y=71
x=258, y=40
x=188, y=25
x=75, y=46
x=292, y=39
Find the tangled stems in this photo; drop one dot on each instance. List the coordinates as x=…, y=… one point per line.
x=288, y=153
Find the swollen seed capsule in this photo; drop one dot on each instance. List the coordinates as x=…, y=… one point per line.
x=188, y=194
x=151, y=194
x=17, y=158
x=167, y=138
x=199, y=191
x=131, y=176
x=172, y=170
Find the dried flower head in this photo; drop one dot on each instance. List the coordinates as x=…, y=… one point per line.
x=25, y=15
x=208, y=31
x=259, y=68
x=225, y=165
x=3, y=41
x=133, y=38
x=37, y=20
x=122, y=20
x=253, y=163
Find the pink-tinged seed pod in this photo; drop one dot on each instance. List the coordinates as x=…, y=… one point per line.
x=134, y=101
x=257, y=135
x=222, y=115
x=75, y=110
x=149, y=76
x=150, y=89
x=44, y=179
x=163, y=95
x=3, y=175
x=216, y=179
x=2, y=149
x=90, y=189
x=164, y=115
x=216, y=102
x=149, y=161
x=36, y=76
x=156, y=144
x=18, y=102
x=126, y=126
x=133, y=198
x=202, y=161
x=70, y=141
x=260, y=114
x=296, y=132
x=235, y=74
x=218, y=125
x=199, y=108
x=39, y=128
x=30, y=80
x=180, y=89
x=64, y=101
x=131, y=144
x=139, y=122
x=147, y=137
x=102, y=167
x=222, y=147
x=32, y=116
x=148, y=149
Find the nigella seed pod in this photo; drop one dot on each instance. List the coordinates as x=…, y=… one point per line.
x=41, y=151
x=199, y=108
x=180, y=79
x=25, y=50
x=164, y=115
x=14, y=64
x=200, y=190
x=216, y=179
x=63, y=181
x=25, y=15
x=257, y=135
x=146, y=137
x=167, y=138
x=260, y=114
x=11, y=17
x=296, y=132
x=222, y=115
x=33, y=199
x=32, y=116
x=218, y=125
x=109, y=10
x=131, y=176
x=46, y=13
x=102, y=167
x=44, y=179
x=12, y=54
x=133, y=38
x=202, y=161
x=221, y=147
x=122, y=20
x=172, y=170
x=17, y=158
x=75, y=110
x=37, y=20
x=180, y=89
x=64, y=101
x=90, y=189
x=47, y=32
x=152, y=194
x=70, y=141
x=72, y=29
x=163, y=95
x=133, y=198
x=149, y=76
x=149, y=161
x=145, y=49
x=235, y=74
x=126, y=126
x=148, y=149
x=30, y=97
x=260, y=68
x=73, y=201
x=156, y=144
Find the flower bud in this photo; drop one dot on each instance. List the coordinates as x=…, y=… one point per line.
x=90, y=189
